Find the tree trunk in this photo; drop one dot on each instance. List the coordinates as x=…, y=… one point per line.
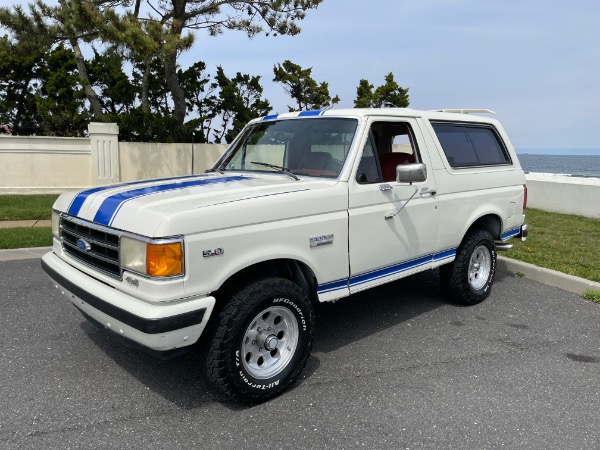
x=85, y=82
x=145, y=97
x=177, y=94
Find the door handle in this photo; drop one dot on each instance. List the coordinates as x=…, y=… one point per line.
x=426, y=191
x=385, y=187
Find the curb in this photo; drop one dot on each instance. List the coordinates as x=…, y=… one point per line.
x=36, y=223
x=23, y=253
x=550, y=277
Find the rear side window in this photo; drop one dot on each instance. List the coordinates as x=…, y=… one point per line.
x=469, y=145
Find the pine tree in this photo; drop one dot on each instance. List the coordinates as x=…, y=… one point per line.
x=300, y=85
x=388, y=95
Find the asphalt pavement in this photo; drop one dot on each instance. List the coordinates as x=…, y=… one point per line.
x=393, y=367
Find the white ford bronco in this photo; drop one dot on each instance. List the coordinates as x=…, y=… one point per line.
x=302, y=208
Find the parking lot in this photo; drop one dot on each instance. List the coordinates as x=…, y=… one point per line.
x=394, y=367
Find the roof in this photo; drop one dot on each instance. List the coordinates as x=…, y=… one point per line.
x=464, y=114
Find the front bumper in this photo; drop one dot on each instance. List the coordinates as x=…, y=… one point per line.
x=158, y=327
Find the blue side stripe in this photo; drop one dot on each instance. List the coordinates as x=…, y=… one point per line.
x=445, y=254
x=386, y=271
x=332, y=286
x=391, y=270
x=271, y=117
x=82, y=196
x=111, y=205
x=311, y=113
x=510, y=233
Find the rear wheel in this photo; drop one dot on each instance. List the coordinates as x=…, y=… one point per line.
x=469, y=278
x=262, y=341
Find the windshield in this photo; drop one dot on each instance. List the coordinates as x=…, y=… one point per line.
x=314, y=147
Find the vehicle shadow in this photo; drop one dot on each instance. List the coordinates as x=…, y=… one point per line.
x=183, y=382
x=361, y=315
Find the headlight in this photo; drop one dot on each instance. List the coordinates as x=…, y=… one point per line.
x=155, y=258
x=133, y=254
x=55, y=224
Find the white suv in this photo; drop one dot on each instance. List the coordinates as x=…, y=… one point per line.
x=302, y=208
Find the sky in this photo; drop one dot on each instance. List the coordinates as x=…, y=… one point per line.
x=536, y=63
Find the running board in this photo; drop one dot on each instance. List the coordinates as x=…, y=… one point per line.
x=502, y=247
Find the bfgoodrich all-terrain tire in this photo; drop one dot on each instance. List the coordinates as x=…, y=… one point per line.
x=468, y=279
x=262, y=340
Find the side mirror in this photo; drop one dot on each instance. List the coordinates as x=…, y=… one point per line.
x=411, y=173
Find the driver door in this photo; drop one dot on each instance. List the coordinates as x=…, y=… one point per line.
x=393, y=226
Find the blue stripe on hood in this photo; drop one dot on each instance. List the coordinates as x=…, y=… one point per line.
x=111, y=205
x=82, y=196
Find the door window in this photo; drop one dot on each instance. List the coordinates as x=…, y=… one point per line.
x=389, y=144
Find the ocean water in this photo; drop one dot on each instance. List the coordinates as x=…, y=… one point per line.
x=569, y=165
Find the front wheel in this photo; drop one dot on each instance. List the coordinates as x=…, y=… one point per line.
x=469, y=278
x=262, y=340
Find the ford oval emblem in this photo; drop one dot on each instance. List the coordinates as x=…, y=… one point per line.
x=84, y=246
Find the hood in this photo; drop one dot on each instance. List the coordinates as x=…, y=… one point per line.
x=122, y=205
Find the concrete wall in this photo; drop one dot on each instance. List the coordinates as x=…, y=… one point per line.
x=569, y=195
x=153, y=160
x=43, y=164
x=36, y=165
x=104, y=146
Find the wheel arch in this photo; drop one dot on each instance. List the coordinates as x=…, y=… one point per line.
x=491, y=223
x=290, y=269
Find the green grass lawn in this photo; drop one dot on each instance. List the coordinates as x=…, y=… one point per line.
x=25, y=207
x=592, y=295
x=25, y=237
x=561, y=242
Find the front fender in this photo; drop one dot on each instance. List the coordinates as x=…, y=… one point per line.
x=213, y=257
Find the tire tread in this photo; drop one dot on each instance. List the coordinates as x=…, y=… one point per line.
x=238, y=308
x=453, y=276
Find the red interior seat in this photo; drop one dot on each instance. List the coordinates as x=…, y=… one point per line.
x=389, y=161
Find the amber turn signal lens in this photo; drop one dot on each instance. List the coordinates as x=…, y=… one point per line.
x=164, y=260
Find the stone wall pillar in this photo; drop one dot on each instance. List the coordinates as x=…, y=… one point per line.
x=104, y=143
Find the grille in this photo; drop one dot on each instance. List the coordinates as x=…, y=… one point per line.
x=102, y=251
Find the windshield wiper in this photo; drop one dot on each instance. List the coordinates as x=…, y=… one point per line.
x=282, y=169
x=217, y=169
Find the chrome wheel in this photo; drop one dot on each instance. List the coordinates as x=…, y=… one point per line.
x=480, y=267
x=270, y=342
